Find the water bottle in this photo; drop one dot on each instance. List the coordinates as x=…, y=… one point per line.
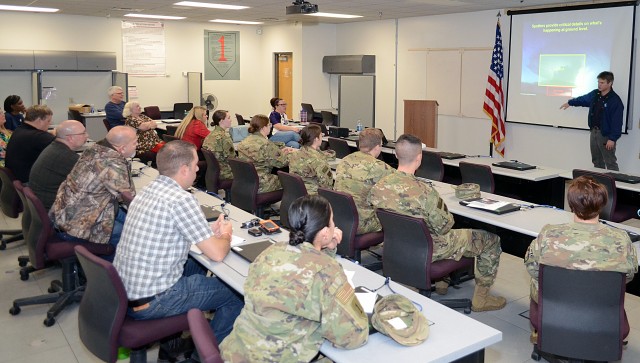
x=359, y=126
x=303, y=116
x=185, y=113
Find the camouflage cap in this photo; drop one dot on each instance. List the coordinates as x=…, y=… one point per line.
x=392, y=313
x=467, y=191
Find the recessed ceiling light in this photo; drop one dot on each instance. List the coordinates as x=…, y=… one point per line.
x=236, y=21
x=28, y=8
x=196, y=4
x=155, y=16
x=333, y=15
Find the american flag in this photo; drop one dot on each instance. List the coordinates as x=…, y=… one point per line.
x=493, y=96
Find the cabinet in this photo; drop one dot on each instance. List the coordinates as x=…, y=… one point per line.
x=421, y=120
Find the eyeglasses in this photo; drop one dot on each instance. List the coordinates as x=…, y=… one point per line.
x=282, y=104
x=82, y=133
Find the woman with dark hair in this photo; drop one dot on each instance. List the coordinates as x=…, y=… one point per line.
x=278, y=118
x=5, y=135
x=264, y=154
x=297, y=295
x=14, y=111
x=310, y=163
x=220, y=143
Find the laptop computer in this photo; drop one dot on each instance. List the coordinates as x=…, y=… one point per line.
x=251, y=251
x=514, y=165
x=210, y=213
x=625, y=178
x=490, y=205
x=450, y=156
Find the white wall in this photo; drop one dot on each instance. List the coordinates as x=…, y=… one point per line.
x=184, y=53
x=561, y=148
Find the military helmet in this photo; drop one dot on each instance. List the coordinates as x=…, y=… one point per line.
x=396, y=316
x=467, y=191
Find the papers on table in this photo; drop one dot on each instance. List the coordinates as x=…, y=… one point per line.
x=367, y=300
x=488, y=204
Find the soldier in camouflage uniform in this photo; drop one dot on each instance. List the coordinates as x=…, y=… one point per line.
x=358, y=172
x=219, y=142
x=584, y=244
x=297, y=295
x=264, y=154
x=402, y=192
x=310, y=163
x=87, y=202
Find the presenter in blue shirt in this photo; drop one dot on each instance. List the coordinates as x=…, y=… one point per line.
x=605, y=120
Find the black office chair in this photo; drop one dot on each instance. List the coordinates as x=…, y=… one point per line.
x=181, y=109
x=345, y=216
x=327, y=118
x=293, y=188
x=407, y=258
x=167, y=138
x=311, y=114
x=203, y=337
x=75, y=115
x=341, y=147
x=431, y=167
x=580, y=314
x=10, y=205
x=153, y=112
x=613, y=211
x=240, y=119
x=102, y=318
x=244, y=190
x=212, y=176
x=171, y=130
x=45, y=247
x=479, y=174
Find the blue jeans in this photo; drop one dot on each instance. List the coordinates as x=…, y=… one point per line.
x=195, y=290
x=289, y=138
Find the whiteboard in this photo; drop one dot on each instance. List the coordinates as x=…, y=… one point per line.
x=443, y=80
x=83, y=87
x=356, y=101
x=457, y=79
x=16, y=83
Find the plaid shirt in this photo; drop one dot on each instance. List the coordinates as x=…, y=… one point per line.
x=162, y=222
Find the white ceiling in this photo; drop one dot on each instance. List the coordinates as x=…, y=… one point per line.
x=273, y=11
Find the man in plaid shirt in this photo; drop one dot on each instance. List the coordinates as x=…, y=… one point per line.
x=163, y=221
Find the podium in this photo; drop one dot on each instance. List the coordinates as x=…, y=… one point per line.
x=421, y=120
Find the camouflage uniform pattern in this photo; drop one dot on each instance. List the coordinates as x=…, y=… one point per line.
x=220, y=144
x=87, y=201
x=404, y=193
x=148, y=139
x=355, y=175
x=313, y=167
x=295, y=297
x=580, y=246
x=265, y=156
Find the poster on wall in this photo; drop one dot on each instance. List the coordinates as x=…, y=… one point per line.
x=221, y=55
x=143, y=48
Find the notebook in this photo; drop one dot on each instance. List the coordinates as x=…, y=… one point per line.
x=625, y=178
x=251, y=251
x=515, y=165
x=490, y=205
x=171, y=121
x=450, y=156
x=210, y=213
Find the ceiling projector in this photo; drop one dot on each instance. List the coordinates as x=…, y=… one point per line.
x=302, y=7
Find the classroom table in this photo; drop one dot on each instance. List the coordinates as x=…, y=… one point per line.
x=453, y=335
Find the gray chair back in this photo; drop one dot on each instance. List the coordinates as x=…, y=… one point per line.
x=341, y=147
x=245, y=185
x=479, y=174
x=293, y=188
x=431, y=167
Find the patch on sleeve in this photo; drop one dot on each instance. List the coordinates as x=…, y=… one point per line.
x=345, y=293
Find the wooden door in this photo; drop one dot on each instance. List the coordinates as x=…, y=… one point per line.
x=284, y=80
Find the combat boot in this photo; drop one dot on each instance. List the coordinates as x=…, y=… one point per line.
x=483, y=301
x=442, y=287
